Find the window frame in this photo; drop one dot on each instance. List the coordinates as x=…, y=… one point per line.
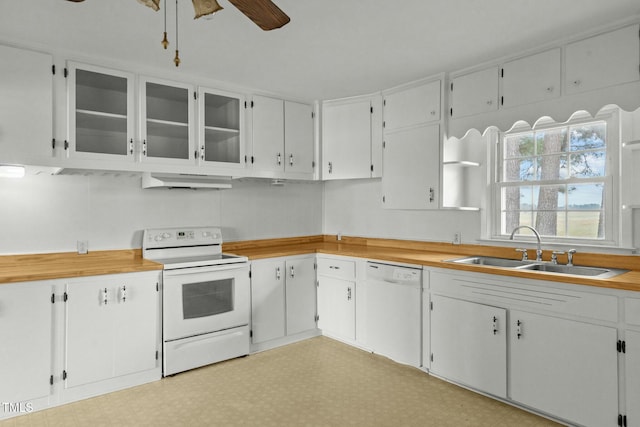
x=611, y=178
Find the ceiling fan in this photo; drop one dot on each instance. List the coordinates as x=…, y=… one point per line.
x=264, y=13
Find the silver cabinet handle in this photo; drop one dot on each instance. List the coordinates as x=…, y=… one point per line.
x=495, y=325
x=349, y=294
x=519, y=329
x=144, y=148
x=290, y=159
x=131, y=146
x=279, y=159
x=330, y=167
x=278, y=275
x=431, y=195
x=105, y=296
x=292, y=272
x=123, y=293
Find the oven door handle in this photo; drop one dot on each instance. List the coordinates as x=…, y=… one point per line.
x=206, y=269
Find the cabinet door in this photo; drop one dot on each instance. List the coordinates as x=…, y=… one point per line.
x=565, y=368
x=474, y=93
x=531, y=79
x=300, y=295
x=167, y=122
x=605, y=60
x=412, y=106
x=298, y=137
x=268, y=134
x=25, y=334
x=469, y=344
x=346, y=140
x=136, y=324
x=267, y=300
x=632, y=375
x=411, y=166
x=336, y=307
x=90, y=331
x=101, y=112
x=220, y=128
x=26, y=105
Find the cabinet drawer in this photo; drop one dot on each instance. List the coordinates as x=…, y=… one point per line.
x=632, y=311
x=343, y=269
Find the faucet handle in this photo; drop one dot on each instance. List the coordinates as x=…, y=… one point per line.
x=554, y=256
x=570, y=253
x=525, y=256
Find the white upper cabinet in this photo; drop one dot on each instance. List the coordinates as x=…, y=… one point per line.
x=474, y=93
x=411, y=106
x=604, y=60
x=220, y=128
x=167, y=122
x=412, y=168
x=100, y=112
x=26, y=105
x=268, y=133
x=350, y=138
x=282, y=138
x=298, y=138
x=531, y=79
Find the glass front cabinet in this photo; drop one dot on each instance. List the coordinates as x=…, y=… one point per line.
x=167, y=122
x=101, y=113
x=220, y=124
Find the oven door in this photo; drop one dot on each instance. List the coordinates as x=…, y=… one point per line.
x=201, y=300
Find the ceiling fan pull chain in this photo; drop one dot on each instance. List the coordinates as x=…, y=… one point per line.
x=176, y=60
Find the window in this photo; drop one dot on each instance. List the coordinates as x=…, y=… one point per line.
x=557, y=178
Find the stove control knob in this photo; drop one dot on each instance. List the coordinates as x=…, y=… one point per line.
x=166, y=235
x=158, y=238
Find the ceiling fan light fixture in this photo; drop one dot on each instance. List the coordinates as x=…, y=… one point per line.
x=205, y=7
x=153, y=4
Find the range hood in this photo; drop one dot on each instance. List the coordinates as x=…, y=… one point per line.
x=160, y=180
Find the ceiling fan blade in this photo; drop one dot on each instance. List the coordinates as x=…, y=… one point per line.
x=264, y=13
x=76, y=1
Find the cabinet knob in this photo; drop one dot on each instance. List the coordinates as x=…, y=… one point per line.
x=550, y=89
x=577, y=82
x=490, y=102
x=433, y=113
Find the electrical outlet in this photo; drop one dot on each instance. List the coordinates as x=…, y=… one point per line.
x=456, y=238
x=83, y=247
x=339, y=236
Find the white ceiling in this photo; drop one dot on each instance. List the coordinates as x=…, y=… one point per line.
x=330, y=49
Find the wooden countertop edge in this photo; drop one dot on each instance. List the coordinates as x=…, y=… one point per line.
x=435, y=255
x=64, y=265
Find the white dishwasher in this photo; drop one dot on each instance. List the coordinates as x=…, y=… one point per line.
x=394, y=308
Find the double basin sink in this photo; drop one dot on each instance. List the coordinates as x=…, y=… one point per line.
x=548, y=267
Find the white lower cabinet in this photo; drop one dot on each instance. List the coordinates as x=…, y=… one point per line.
x=67, y=339
x=547, y=346
x=337, y=297
x=111, y=328
x=469, y=344
x=283, y=297
x=26, y=328
x=565, y=368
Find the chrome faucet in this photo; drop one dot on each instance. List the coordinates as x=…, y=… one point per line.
x=539, y=250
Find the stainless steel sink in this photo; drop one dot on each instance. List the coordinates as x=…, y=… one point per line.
x=575, y=270
x=544, y=267
x=490, y=261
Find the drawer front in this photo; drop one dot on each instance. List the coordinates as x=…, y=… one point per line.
x=536, y=295
x=632, y=311
x=344, y=269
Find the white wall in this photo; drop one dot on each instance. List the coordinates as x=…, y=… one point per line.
x=44, y=213
x=355, y=208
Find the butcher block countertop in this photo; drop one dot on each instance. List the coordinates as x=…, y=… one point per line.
x=436, y=254
x=25, y=268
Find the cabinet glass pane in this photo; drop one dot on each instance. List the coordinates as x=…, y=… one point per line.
x=167, y=103
x=101, y=113
x=167, y=140
x=221, y=128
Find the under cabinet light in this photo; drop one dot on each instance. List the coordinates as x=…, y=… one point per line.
x=12, y=171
